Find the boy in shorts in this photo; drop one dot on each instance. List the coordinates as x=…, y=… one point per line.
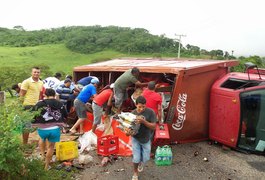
x=141, y=141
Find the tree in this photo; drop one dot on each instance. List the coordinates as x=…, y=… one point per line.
x=91, y=39
x=219, y=52
x=204, y=52
x=192, y=50
x=19, y=28
x=226, y=56
x=254, y=59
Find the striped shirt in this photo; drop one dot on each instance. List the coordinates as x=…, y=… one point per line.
x=64, y=93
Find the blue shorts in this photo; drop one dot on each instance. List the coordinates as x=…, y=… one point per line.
x=141, y=152
x=53, y=135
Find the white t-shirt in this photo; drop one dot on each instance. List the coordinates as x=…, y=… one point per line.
x=51, y=82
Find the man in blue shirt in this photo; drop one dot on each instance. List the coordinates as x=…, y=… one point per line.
x=87, y=93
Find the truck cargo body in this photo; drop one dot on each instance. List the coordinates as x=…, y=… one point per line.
x=185, y=85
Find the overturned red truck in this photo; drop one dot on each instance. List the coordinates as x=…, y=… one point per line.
x=201, y=98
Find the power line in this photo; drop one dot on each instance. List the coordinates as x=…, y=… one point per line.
x=179, y=40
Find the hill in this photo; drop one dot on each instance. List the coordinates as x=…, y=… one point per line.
x=16, y=62
x=91, y=39
x=56, y=56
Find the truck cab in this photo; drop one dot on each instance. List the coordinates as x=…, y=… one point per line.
x=237, y=116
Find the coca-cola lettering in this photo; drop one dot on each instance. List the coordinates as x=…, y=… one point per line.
x=181, y=109
x=181, y=112
x=183, y=97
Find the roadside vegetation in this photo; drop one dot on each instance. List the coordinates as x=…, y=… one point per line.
x=14, y=160
x=92, y=39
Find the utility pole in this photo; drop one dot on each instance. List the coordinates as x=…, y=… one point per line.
x=179, y=40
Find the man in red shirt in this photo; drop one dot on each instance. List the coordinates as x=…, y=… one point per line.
x=97, y=105
x=153, y=99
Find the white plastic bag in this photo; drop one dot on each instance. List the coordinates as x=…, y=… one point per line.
x=87, y=140
x=85, y=159
x=108, y=130
x=100, y=127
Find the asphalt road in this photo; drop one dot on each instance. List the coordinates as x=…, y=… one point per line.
x=188, y=163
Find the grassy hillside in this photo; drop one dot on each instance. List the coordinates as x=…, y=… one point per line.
x=56, y=56
x=16, y=62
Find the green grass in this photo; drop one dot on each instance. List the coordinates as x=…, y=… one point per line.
x=56, y=56
x=59, y=58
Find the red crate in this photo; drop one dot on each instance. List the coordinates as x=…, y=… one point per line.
x=108, y=145
x=161, y=135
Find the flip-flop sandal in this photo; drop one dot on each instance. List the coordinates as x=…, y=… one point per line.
x=78, y=134
x=59, y=166
x=134, y=177
x=72, y=132
x=140, y=167
x=78, y=166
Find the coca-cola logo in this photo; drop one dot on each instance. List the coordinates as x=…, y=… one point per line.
x=181, y=112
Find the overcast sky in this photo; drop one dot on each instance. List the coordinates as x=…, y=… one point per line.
x=229, y=25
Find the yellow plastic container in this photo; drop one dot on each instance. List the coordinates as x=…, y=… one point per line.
x=66, y=150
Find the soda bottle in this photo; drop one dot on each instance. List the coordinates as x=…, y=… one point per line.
x=164, y=156
x=169, y=155
x=158, y=156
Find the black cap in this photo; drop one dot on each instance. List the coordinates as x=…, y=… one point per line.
x=58, y=75
x=67, y=80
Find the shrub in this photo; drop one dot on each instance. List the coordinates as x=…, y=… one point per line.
x=13, y=164
x=12, y=75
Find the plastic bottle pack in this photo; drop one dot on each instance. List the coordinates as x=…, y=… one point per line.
x=163, y=156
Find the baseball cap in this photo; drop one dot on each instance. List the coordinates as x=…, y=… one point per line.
x=94, y=81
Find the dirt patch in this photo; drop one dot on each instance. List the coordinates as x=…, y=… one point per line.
x=188, y=163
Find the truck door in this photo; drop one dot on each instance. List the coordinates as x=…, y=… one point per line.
x=252, y=133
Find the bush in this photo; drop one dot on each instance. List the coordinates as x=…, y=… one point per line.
x=157, y=55
x=12, y=75
x=13, y=164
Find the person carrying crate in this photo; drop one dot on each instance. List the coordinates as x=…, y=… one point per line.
x=141, y=141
